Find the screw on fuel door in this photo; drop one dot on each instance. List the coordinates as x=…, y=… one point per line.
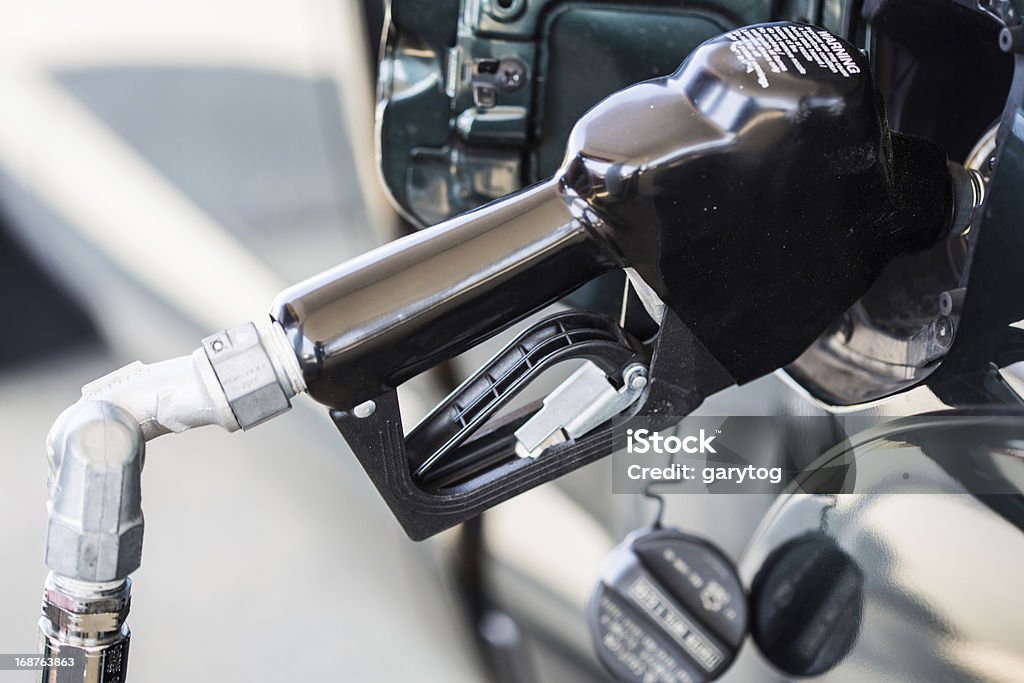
x=669, y=608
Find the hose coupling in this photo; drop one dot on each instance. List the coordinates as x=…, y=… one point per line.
x=257, y=371
x=84, y=621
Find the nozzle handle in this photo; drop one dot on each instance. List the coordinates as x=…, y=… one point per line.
x=362, y=328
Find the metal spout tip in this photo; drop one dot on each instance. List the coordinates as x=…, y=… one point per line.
x=968, y=196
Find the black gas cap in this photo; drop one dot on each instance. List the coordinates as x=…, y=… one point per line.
x=669, y=608
x=807, y=603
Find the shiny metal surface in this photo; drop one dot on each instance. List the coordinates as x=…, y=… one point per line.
x=982, y=157
x=96, y=451
x=85, y=621
x=379, y=319
x=95, y=523
x=584, y=401
x=256, y=384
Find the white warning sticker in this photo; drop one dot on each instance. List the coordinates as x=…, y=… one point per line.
x=672, y=621
x=767, y=50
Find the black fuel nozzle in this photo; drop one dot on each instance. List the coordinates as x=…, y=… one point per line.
x=757, y=190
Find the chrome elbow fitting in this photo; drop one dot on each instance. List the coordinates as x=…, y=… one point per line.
x=237, y=379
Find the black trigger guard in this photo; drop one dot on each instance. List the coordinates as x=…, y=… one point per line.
x=681, y=374
x=557, y=338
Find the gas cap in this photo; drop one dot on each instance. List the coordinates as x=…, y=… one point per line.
x=807, y=603
x=669, y=608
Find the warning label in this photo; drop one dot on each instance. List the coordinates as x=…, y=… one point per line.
x=636, y=650
x=767, y=50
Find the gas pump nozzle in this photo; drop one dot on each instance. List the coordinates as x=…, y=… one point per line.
x=754, y=195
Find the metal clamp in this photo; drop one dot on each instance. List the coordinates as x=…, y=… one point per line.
x=255, y=388
x=85, y=622
x=579, y=405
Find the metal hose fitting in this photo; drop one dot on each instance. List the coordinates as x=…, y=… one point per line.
x=968, y=196
x=96, y=449
x=85, y=621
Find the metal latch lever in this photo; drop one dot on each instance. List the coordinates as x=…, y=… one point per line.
x=586, y=400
